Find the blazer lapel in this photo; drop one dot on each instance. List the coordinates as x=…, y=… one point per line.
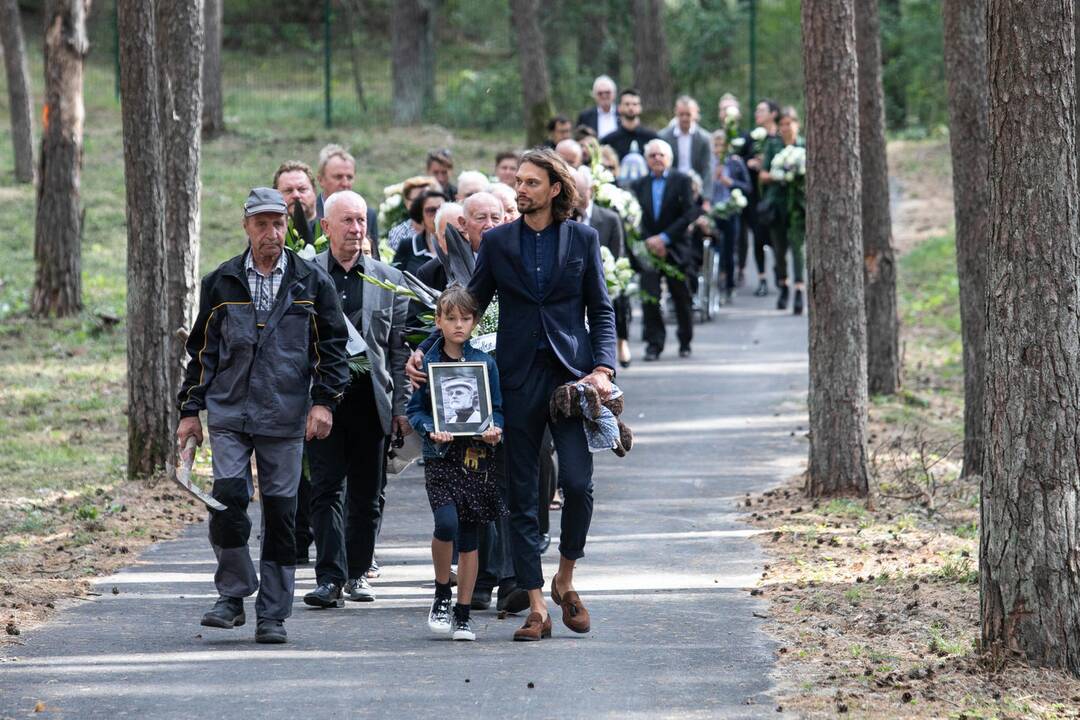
x=560, y=258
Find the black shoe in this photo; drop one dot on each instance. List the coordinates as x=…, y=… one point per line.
x=270, y=632
x=684, y=352
x=512, y=599
x=327, y=595
x=781, y=302
x=651, y=355
x=227, y=613
x=762, y=289
x=481, y=599
x=796, y=305
x=545, y=542
x=624, y=363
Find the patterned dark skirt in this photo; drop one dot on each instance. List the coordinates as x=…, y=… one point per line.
x=467, y=477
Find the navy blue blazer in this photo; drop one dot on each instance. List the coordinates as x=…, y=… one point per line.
x=577, y=290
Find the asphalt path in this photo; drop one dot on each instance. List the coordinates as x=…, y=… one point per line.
x=665, y=579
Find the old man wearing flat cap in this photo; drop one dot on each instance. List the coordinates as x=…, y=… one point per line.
x=268, y=367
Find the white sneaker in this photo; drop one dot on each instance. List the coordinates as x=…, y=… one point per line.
x=463, y=629
x=439, y=618
x=359, y=590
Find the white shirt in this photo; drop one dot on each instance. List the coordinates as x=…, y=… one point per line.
x=606, y=122
x=685, y=141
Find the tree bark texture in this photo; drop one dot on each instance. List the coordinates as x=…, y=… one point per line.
x=150, y=390
x=882, y=320
x=180, y=52
x=535, y=85
x=58, y=226
x=411, y=38
x=18, y=82
x=594, y=43
x=838, y=396
x=1029, y=554
x=652, y=63
x=895, y=87
x=213, y=108
x=355, y=37
x=964, y=24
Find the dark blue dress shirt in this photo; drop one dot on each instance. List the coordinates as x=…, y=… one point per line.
x=538, y=250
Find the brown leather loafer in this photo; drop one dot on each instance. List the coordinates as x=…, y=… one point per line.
x=535, y=628
x=574, y=614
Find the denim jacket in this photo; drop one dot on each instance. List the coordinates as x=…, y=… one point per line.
x=420, y=412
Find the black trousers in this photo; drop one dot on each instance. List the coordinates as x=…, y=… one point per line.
x=527, y=416
x=304, y=536
x=652, y=310
x=346, y=483
x=622, y=317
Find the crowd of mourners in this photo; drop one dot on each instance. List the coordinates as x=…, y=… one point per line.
x=313, y=348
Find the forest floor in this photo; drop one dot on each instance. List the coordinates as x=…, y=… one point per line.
x=876, y=602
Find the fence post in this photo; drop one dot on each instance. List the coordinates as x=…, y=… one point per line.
x=326, y=61
x=753, y=55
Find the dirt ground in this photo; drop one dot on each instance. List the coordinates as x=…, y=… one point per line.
x=96, y=535
x=876, y=602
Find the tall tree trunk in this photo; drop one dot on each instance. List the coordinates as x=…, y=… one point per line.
x=180, y=53
x=58, y=225
x=18, y=82
x=652, y=63
x=969, y=109
x=895, y=82
x=427, y=52
x=882, y=322
x=1029, y=574
x=354, y=14
x=409, y=34
x=535, y=87
x=597, y=51
x=838, y=399
x=213, y=108
x=150, y=389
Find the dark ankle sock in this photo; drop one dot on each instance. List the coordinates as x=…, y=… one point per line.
x=442, y=590
x=461, y=612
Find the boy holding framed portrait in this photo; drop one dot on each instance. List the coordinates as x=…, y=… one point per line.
x=460, y=419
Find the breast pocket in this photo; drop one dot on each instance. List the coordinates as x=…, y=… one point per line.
x=294, y=329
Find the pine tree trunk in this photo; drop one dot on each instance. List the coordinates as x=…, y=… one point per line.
x=969, y=108
x=1029, y=568
x=354, y=36
x=535, y=86
x=180, y=52
x=882, y=322
x=652, y=63
x=895, y=85
x=837, y=399
x=58, y=225
x=150, y=389
x=408, y=37
x=594, y=56
x=18, y=82
x=213, y=109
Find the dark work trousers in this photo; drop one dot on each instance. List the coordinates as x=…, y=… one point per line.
x=304, y=538
x=496, y=566
x=779, y=236
x=346, y=480
x=526, y=411
x=729, y=237
x=278, y=463
x=655, y=333
x=742, y=244
x=760, y=231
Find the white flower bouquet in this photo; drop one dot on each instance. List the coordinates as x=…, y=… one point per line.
x=732, y=206
x=392, y=210
x=789, y=165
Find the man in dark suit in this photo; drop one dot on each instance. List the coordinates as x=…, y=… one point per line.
x=337, y=171
x=690, y=145
x=549, y=276
x=602, y=117
x=667, y=208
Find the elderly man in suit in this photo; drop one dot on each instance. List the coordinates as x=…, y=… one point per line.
x=690, y=145
x=347, y=466
x=667, y=209
x=602, y=117
x=549, y=276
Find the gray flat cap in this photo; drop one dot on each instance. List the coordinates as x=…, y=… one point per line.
x=264, y=200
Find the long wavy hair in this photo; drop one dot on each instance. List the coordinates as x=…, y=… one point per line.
x=562, y=205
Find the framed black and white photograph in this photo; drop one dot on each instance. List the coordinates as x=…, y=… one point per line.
x=460, y=397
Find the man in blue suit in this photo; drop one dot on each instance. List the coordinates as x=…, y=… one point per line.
x=549, y=277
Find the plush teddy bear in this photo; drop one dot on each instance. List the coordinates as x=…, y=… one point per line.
x=565, y=404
